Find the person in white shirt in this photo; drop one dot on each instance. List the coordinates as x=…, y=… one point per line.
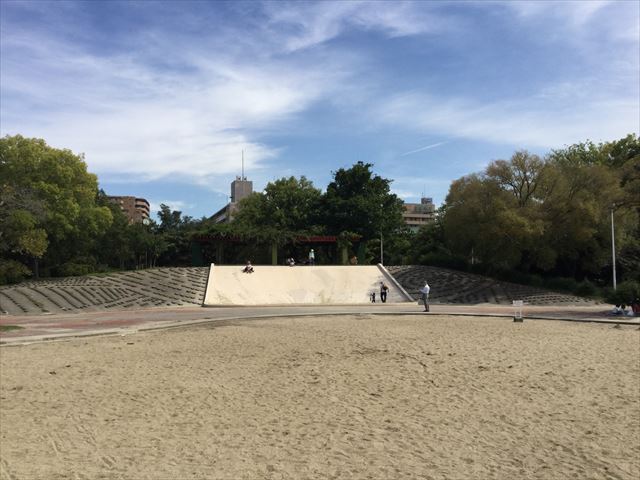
x=425, y=296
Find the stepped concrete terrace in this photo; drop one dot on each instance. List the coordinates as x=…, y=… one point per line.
x=157, y=287
x=454, y=287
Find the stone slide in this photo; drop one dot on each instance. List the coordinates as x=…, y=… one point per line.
x=299, y=285
x=452, y=286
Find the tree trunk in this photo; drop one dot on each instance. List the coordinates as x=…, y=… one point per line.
x=36, y=269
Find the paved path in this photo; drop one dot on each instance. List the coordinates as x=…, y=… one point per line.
x=65, y=325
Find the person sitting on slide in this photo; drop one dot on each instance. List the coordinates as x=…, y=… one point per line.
x=248, y=268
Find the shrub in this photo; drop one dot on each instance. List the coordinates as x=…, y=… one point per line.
x=624, y=294
x=586, y=289
x=562, y=284
x=12, y=272
x=536, y=280
x=443, y=260
x=71, y=269
x=515, y=277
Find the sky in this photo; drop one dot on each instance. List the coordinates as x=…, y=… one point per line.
x=163, y=97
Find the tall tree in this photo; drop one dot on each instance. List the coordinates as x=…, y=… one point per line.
x=59, y=180
x=286, y=204
x=552, y=214
x=172, y=242
x=359, y=201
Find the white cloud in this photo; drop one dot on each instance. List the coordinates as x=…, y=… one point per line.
x=304, y=25
x=182, y=107
x=613, y=20
x=576, y=13
x=526, y=121
x=134, y=121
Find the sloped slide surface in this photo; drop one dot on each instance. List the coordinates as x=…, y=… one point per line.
x=300, y=285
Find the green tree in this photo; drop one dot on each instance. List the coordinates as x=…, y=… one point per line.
x=552, y=214
x=589, y=182
x=58, y=180
x=359, y=201
x=172, y=244
x=286, y=205
x=482, y=223
x=20, y=237
x=285, y=209
x=113, y=247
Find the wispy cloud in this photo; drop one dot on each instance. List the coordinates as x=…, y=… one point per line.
x=304, y=25
x=133, y=118
x=428, y=147
x=175, y=91
x=525, y=121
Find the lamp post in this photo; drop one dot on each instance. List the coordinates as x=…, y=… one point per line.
x=613, y=247
x=381, y=250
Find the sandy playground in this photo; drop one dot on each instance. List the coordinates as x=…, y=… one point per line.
x=363, y=397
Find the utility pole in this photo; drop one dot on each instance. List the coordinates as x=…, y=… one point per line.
x=381, y=250
x=613, y=247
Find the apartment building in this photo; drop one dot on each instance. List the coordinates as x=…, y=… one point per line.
x=136, y=209
x=418, y=214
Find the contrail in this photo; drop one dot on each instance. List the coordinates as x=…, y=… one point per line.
x=423, y=148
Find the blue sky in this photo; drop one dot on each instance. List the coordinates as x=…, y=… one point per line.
x=162, y=97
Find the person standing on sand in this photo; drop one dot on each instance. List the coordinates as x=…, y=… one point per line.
x=312, y=257
x=425, y=296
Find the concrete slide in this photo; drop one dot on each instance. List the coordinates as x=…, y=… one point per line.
x=300, y=285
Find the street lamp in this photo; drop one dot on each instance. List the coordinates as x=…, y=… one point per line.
x=613, y=246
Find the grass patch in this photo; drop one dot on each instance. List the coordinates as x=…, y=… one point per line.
x=6, y=328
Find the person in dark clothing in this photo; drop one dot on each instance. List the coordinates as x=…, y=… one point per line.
x=383, y=292
x=248, y=268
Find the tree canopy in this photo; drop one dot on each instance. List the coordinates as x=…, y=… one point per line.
x=57, y=218
x=530, y=214
x=359, y=201
x=550, y=214
x=286, y=207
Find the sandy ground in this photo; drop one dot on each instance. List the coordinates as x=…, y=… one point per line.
x=328, y=397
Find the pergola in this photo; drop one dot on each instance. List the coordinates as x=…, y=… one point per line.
x=220, y=240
